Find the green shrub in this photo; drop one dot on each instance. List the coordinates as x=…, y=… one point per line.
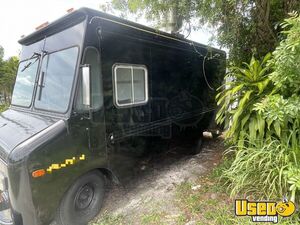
x=281, y=116
x=286, y=58
x=292, y=174
x=264, y=127
x=283, y=110
x=244, y=87
x=266, y=171
x=259, y=170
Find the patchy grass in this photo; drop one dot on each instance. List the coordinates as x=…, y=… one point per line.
x=153, y=218
x=108, y=219
x=205, y=202
x=181, y=220
x=217, y=172
x=210, y=204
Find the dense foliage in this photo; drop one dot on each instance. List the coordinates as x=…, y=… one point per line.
x=242, y=26
x=258, y=169
x=8, y=69
x=286, y=75
x=268, y=164
x=245, y=87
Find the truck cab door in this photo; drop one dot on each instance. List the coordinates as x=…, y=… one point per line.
x=90, y=119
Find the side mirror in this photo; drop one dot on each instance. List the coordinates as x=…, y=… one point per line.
x=86, y=85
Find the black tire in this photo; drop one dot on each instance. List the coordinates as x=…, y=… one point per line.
x=83, y=200
x=195, y=138
x=198, y=146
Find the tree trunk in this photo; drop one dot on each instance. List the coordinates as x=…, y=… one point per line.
x=176, y=20
x=265, y=35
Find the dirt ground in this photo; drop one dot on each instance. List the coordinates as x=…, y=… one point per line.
x=153, y=190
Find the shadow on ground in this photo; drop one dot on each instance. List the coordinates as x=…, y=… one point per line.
x=152, y=188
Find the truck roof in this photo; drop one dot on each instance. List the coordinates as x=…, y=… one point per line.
x=81, y=14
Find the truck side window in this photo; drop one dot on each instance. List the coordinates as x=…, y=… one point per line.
x=92, y=57
x=130, y=85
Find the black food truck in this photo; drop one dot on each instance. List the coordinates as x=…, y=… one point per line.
x=92, y=92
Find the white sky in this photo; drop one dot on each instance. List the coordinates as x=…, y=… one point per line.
x=21, y=17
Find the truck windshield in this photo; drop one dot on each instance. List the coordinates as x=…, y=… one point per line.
x=23, y=90
x=56, y=80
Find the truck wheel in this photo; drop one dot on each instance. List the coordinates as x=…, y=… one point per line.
x=198, y=147
x=83, y=200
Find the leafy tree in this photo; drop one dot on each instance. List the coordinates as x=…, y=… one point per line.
x=242, y=26
x=168, y=14
x=286, y=75
x=1, y=53
x=8, y=69
x=270, y=159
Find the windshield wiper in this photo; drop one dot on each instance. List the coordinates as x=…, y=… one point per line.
x=31, y=63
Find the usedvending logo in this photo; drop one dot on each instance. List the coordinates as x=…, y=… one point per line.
x=264, y=211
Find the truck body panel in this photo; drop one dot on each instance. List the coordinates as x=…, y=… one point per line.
x=145, y=84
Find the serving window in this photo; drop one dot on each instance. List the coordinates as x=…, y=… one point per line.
x=130, y=85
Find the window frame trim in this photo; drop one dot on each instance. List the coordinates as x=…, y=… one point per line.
x=73, y=81
x=75, y=109
x=115, y=89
